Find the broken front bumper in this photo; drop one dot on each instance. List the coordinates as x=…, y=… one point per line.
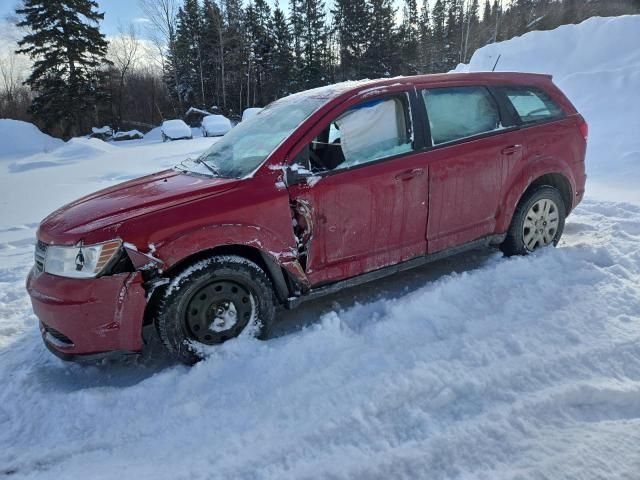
x=80, y=317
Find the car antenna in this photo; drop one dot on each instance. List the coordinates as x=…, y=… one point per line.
x=496, y=64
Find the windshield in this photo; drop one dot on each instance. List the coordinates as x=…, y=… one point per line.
x=248, y=144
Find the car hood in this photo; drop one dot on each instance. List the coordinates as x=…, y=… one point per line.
x=125, y=201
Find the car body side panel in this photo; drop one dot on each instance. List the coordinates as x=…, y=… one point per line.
x=524, y=178
x=366, y=218
x=256, y=215
x=465, y=186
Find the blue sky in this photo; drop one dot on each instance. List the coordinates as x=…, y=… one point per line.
x=116, y=12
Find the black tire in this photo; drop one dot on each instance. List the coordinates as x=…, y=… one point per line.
x=189, y=311
x=164, y=137
x=514, y=243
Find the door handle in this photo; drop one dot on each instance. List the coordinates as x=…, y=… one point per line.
x=511, y=150
x=409, y=174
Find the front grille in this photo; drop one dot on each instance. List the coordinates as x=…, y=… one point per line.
x=60, y=339
x=41, y=252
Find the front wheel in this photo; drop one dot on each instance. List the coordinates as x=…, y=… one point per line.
x=213, y=301
x=538, y=222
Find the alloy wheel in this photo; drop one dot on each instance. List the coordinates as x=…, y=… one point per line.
x=541, y=224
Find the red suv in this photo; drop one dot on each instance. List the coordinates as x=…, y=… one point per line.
x=321, y=190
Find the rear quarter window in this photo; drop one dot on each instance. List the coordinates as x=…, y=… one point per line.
x=533, y=105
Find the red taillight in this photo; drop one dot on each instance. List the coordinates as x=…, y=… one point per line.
x=584, y=129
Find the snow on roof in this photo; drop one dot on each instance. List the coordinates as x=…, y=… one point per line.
x=197, y=110
x=216, y=120
x=101, y=130
x=129, y=133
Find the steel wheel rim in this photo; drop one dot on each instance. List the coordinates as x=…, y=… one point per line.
x=218, y=312
x=541, y=224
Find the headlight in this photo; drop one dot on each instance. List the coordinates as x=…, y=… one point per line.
x=80, y=261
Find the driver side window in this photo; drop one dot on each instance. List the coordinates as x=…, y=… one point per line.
x=370, y=131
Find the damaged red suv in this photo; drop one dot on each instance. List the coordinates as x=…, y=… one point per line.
x=323, y=189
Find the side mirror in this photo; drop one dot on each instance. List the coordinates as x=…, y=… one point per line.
x=299, y=169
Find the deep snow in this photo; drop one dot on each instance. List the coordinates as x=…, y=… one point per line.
x=477, y=367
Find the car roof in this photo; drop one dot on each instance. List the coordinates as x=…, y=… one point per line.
x=329, y=92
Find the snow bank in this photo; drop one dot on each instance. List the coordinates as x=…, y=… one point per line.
x=73, y=151
x=20, y=139
x=597, y=64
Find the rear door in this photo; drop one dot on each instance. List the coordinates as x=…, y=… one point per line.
x=473, y=147
x=364, y=206
x=544, y=124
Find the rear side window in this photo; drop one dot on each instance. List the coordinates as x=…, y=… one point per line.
x=460, y=112
x=532, y=104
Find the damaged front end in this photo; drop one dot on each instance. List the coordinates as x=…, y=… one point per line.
x=302, y=228
x=84, y=316
x=149, y=266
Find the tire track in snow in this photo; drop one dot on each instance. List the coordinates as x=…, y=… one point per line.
x=463, y=375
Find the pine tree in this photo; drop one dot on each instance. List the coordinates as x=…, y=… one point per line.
x=351, y=19
x=523, y=11
x=188, y=50
x=69, y=61
x=410, y=38
x=496, y=16
x=381, y=56
x=260, y=41
x=296, y=20
x=309, y=28
x=570, y=11
x=282, y=57
x=212, y=47
x=235, y=57
x=439, y=39
x=454, y=35
x=471, y=33
x=426, y=40
x=487, y=24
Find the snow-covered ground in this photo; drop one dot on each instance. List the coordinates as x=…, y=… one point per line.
x=477, y=367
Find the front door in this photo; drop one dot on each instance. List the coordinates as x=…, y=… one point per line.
x=364, y=206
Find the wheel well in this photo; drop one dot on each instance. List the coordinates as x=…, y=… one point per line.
x=279, y=277
x=557, y=181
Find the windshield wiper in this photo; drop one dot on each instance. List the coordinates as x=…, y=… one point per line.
x=208, y=167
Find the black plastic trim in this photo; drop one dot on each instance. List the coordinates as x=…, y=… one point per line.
x=323, y=290
x=88, y=358
x=279, y=282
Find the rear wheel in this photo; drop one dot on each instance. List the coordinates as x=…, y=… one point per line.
x=212, y=301
x=538, y=222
